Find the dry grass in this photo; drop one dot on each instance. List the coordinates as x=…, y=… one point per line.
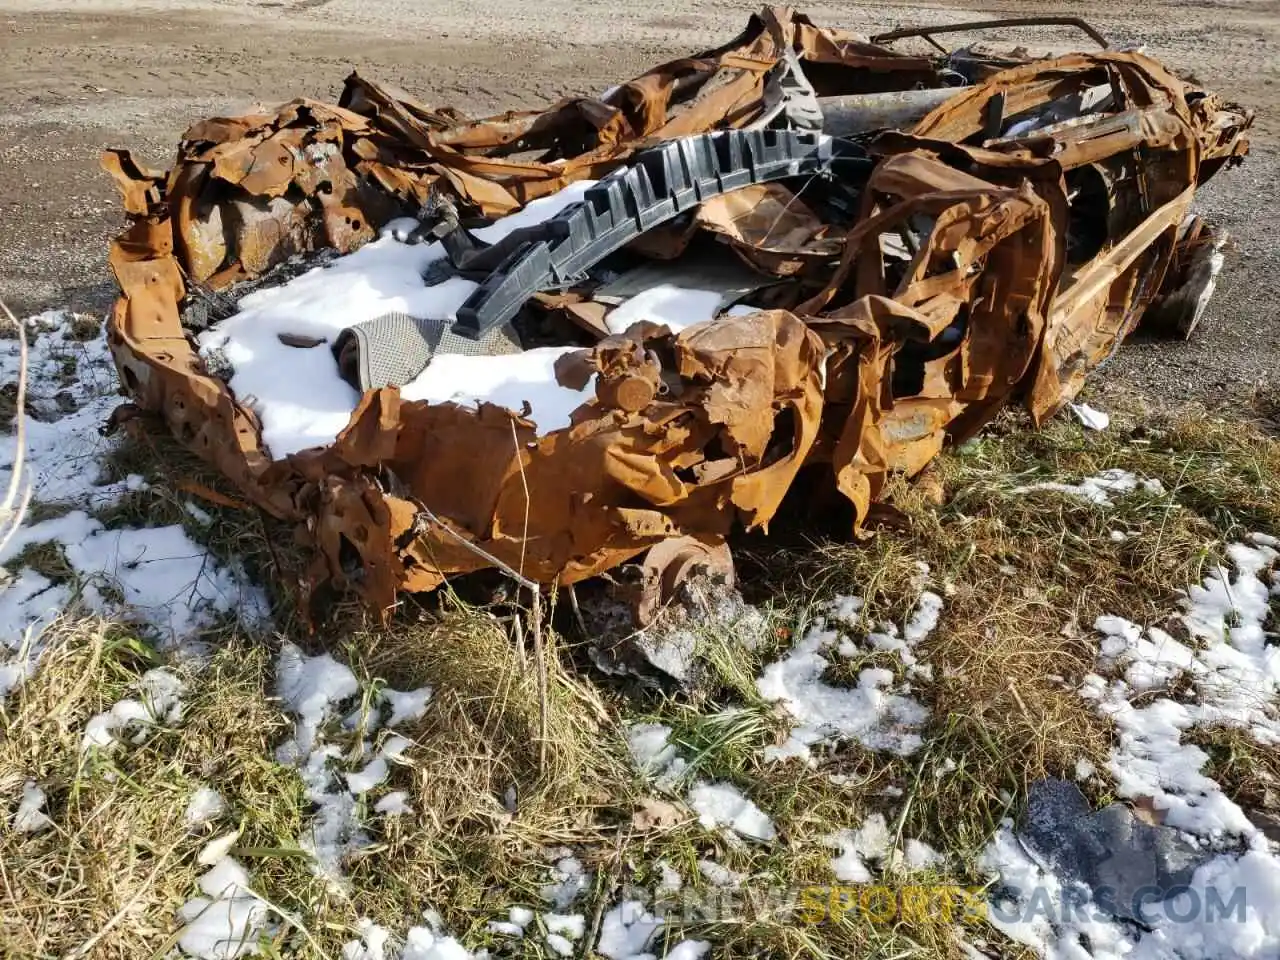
x=1249, y=772
x=1024, y=577
x=106, y=878
x=47, y=559
x=493, y=796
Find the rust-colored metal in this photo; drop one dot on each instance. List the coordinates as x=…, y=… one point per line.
x=1030, y=257
x=929, y=32
x=669, y=565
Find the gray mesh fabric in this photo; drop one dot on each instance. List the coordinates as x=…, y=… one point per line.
x=390, y=350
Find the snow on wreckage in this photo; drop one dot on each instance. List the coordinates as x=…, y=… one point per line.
x=802, y=249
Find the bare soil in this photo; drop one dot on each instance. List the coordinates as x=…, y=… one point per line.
x=76, y=77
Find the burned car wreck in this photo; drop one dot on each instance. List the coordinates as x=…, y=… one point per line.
x=553, y=340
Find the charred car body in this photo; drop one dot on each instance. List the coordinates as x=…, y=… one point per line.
x=925, y=238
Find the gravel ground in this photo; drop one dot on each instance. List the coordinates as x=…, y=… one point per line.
x=80, y=75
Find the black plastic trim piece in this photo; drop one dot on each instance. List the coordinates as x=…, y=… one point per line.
x=661, y=183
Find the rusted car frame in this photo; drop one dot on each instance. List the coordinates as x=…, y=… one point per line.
x=1000, y=248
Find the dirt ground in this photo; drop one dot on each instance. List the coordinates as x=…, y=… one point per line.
x=80, y=75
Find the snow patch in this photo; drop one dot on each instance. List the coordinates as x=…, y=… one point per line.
x=157, y=577
x=161, y=576
x=877, y=712
x=224, y=923
x=311, y=687
x=568, y=881
x=406, y=707
x=510, y=380
x=365, y=780
x=559, y=945
x=723, y=805
x=717, y=804
x=675, y=306
x=420, y=943
x=159, y=702
x=1236, y=676
x=570, y=925
x=297, y=392
x=671, y=881
x=718, y=875
x=205, y=804
x=625, y=931
x=1234, y=667
x=30, y=816
x=871, y=841
x=394, y=803
x=920, y=856
x=655, y=756
x=1091, y=418
x=1101, y=488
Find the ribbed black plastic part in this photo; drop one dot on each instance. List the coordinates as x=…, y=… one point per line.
x=661, y=183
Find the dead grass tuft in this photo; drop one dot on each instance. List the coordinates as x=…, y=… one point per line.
x=119, y=858
x=492, y=793
x=1248, y=771
x=487, y=689
x=47, y=559
x=84, y=327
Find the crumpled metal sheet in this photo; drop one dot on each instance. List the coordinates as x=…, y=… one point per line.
x=991, y=255
x=979, y=271
x=576, y=502
x=772, y=229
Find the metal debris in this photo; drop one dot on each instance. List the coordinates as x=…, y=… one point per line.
x=1124, y=864
x=993, y=249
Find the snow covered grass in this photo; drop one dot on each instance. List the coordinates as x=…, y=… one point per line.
x=874, y=712
x=118, y=856
x=133, y=826
x=178, y=488
x=1025, y=574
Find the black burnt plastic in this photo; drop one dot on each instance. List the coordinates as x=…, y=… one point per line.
x=661, y=183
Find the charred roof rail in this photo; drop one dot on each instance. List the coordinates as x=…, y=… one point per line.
x=1047, y=21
